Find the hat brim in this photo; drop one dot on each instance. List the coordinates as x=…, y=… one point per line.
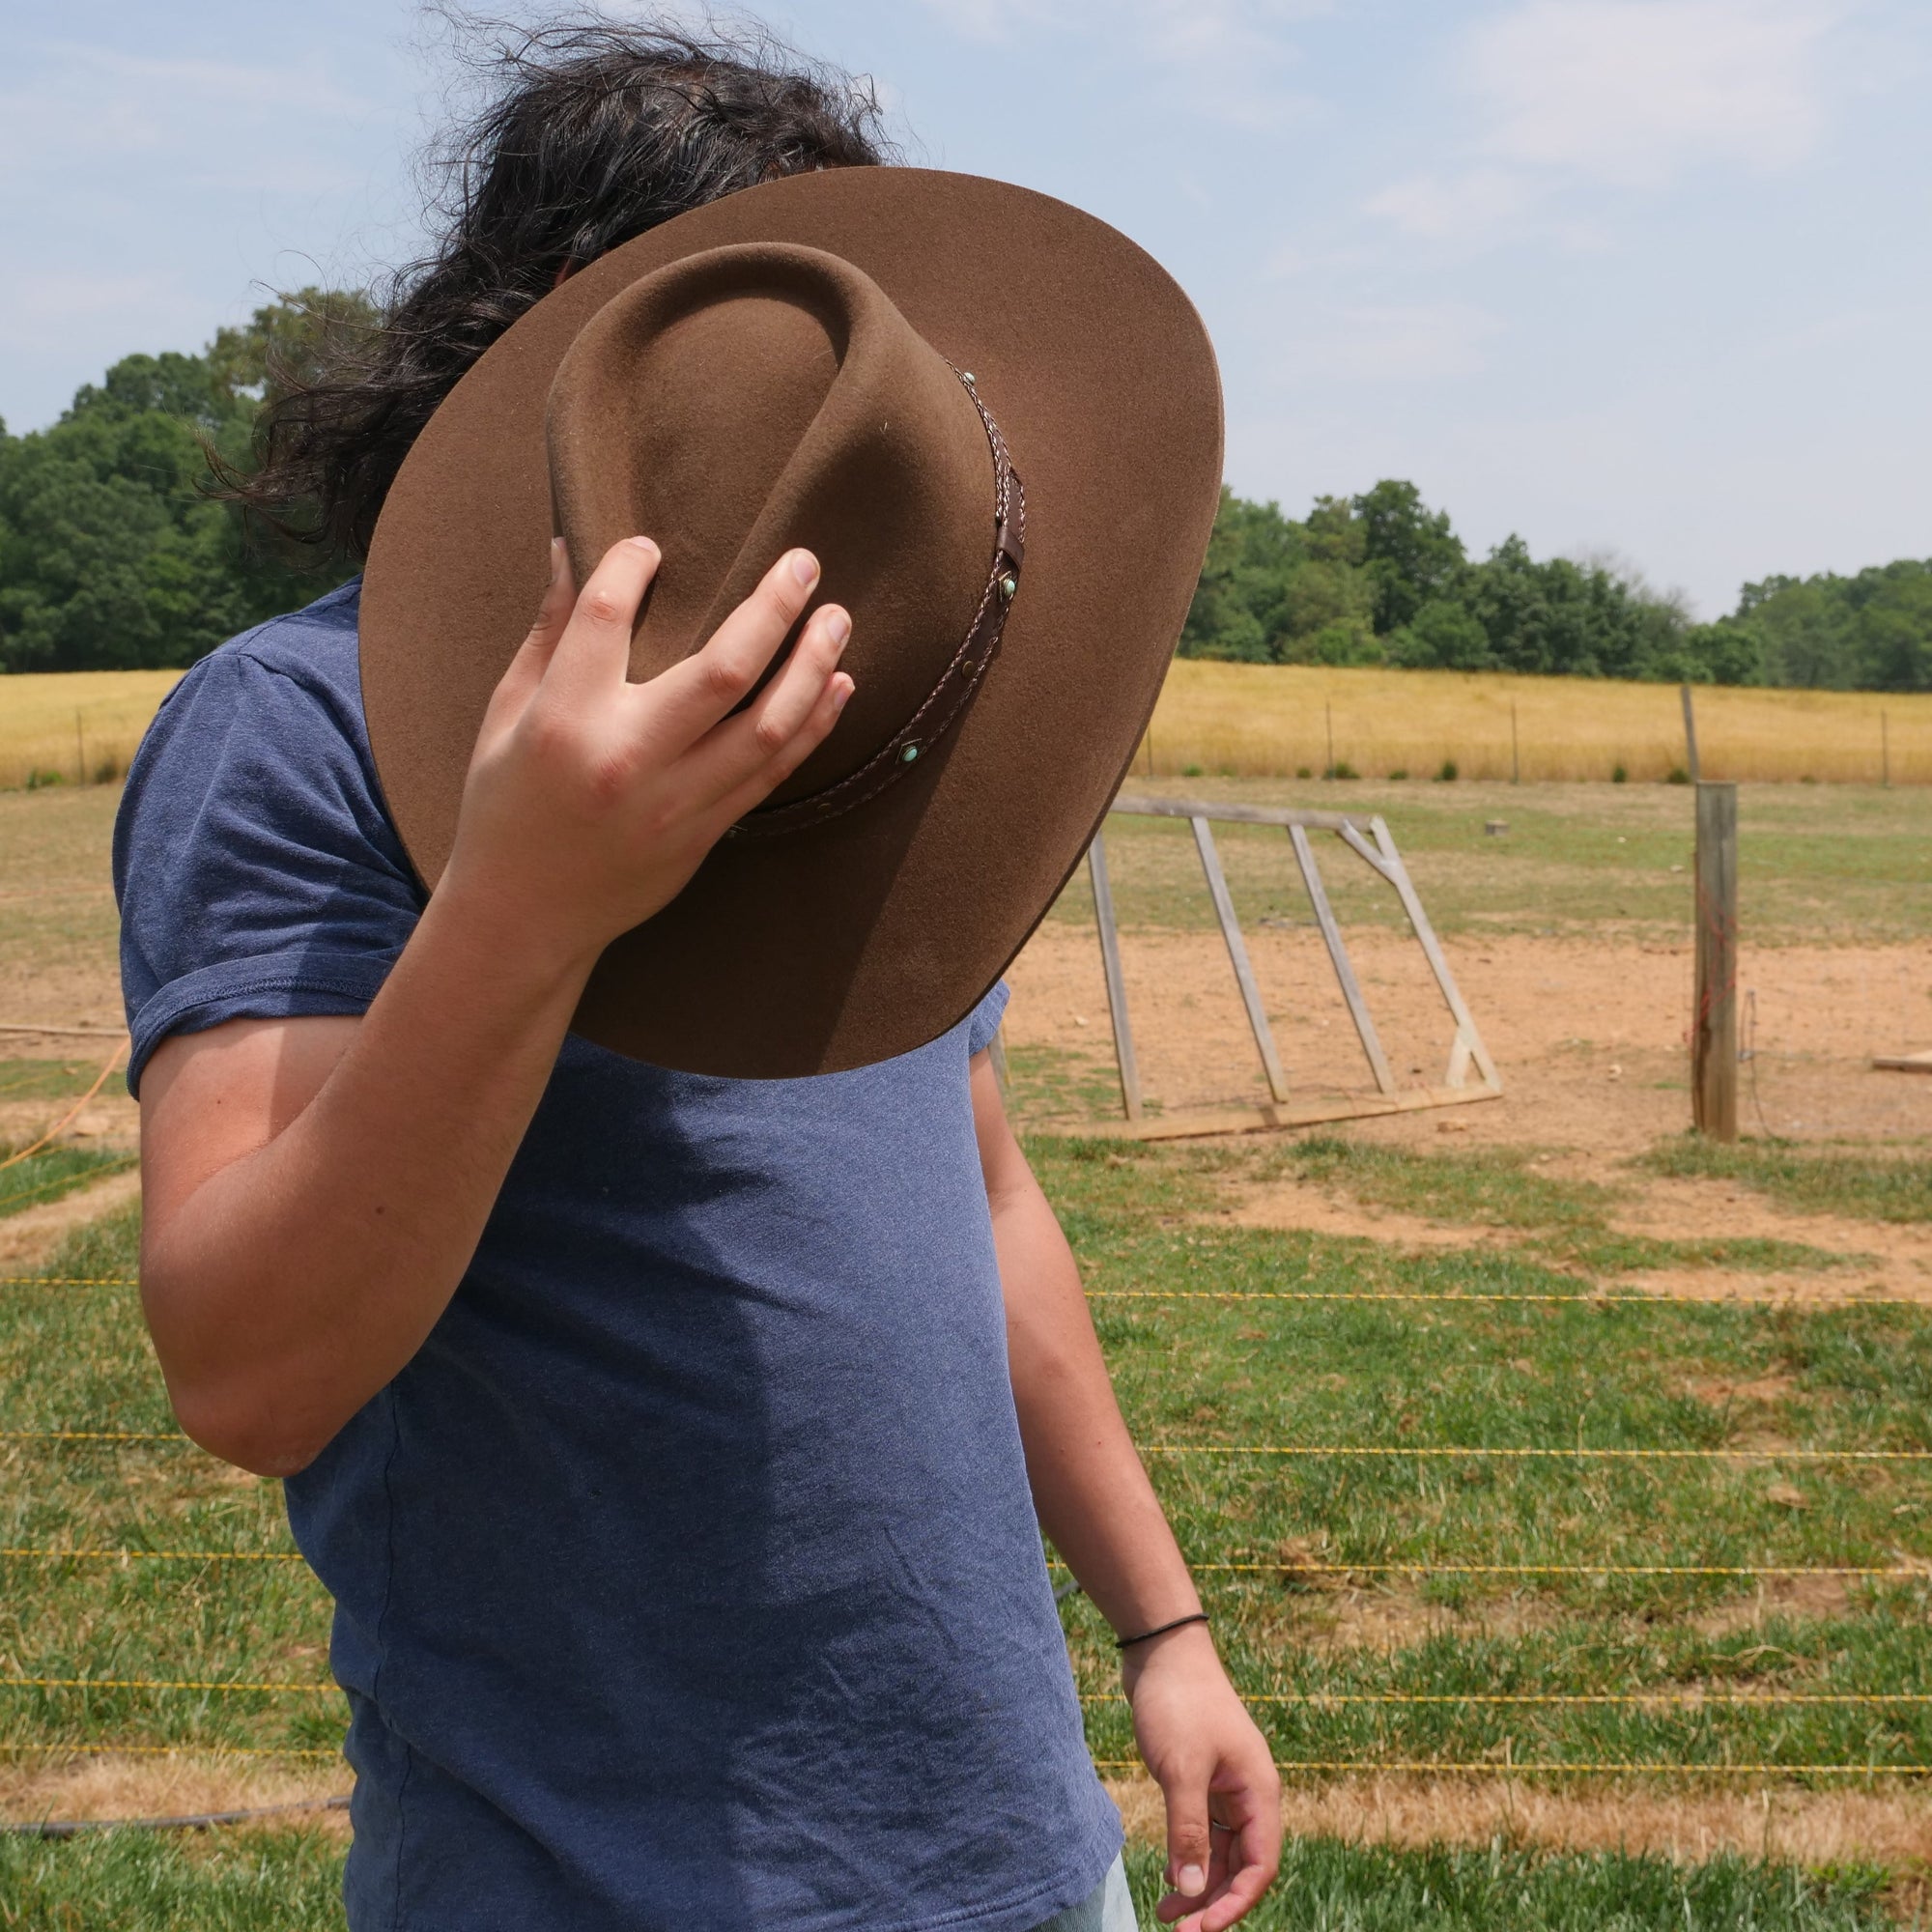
x=871, y=933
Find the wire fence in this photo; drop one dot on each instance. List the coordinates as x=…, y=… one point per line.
x=1286, y=1568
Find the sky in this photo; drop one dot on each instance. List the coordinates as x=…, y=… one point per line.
x=1643, y=277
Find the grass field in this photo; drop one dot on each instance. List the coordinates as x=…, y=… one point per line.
x=76, y=727
x=1271, y=721
x=1728, y=1604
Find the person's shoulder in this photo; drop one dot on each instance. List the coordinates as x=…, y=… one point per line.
x=306, y=659
x=315, y=647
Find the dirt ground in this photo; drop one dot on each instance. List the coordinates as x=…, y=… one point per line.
x=1591, y=1039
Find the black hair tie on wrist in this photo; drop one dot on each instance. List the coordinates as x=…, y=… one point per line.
x=1161, y=1630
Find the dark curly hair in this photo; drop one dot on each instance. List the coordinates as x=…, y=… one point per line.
x=591, y=132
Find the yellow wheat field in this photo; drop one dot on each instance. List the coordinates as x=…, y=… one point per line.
x=78, y=724
x=1268, y=721
x=1272, y=721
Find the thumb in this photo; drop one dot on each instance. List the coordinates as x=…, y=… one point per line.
x=1189, y=1838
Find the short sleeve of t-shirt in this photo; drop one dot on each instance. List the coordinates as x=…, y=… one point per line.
x=985, y=1019
x=258, y=874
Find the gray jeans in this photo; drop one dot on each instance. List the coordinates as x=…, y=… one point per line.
x=1108, y=1909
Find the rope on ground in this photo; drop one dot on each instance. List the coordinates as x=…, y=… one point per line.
x=92, y=1435
x=1517, y=1766
x=1583, y=1297
x=1439, y=1450
x=70, y=1280
x=157, y=1684
x=1288, y=1569
x=153, y=1555
x=1586, y=1454
x=193, y=1821
x=161, y=1751
x=108, y=1066
x=1667, y=1699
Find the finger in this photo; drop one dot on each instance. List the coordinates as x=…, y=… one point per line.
x=741, y=747
x=694, y=694
x=532, y=656
x=1185, y=1790
x=1248, y=1857
x=1254, y=1868
x=753, y=792
x=594, y=651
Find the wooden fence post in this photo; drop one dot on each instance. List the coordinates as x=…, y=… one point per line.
x=1691, y=734
x=1713, y=1033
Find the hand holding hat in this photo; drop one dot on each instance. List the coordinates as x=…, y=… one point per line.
x=590, y=801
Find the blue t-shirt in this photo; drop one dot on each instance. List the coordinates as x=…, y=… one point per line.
x=689, y=1575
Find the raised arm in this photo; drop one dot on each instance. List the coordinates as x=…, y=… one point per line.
x=1094, y=1501
x=314, y=1189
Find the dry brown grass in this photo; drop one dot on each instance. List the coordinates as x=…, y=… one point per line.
x=83, y=725
x=1815, y=1828
x=1271, y=721
x=178, y=1785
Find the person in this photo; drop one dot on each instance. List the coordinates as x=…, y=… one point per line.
x=675, y=1446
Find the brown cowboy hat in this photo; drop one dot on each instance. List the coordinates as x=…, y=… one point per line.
x=998, y=424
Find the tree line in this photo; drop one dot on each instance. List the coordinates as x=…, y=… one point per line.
x=1382, y=579
x=116, y=552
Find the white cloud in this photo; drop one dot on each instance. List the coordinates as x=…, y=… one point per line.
x=1226, y=54
x=1390, y=344
x=1572, y=95
x=1631, y=91
x=87, y=109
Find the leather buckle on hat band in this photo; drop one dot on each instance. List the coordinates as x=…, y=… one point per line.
x=960, y=680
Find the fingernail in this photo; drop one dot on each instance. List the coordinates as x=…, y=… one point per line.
x=837, y=627
x=842, y=688
x=558, y=556
x=645, y=543
x=804, y=566
x=1192, y=1882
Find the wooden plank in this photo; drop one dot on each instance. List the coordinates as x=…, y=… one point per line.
x=1714, y=1024
x=1466, y=1030
x=1368, y=853
x=1235, y=814
x=1338, y=957
x=1903, y=1062
x=1460, y=1057
x=1238, y=955
x=1117, y=985
x=1268, y=1120
x=1689, y=733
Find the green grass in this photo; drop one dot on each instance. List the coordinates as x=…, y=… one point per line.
x=1246, y=1371
x=46, y=1079
x=1253, y=1371
x=53, y=1172
x=256, y=1881
x=1863, y=1185
x=1329, y=1887
x=1559, y=1219
x=1816, y=862
x=79, y=1358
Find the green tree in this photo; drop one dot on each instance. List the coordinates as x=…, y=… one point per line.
x=1411, y=553
x=112, y=552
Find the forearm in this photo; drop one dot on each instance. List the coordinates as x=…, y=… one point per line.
x=294, y=1281
x=1091, y=1494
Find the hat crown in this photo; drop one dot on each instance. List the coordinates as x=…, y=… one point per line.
x=755, y=398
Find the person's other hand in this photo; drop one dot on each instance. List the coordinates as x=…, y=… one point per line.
x=590, y=801
x=1216, y=1774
